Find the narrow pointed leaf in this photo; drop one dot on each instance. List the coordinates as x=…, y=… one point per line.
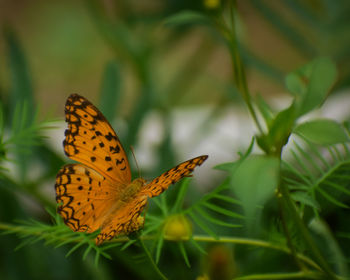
x=332, y=199
x=181, y=195
x=214, y=220
x=221, y=210
x=184, y=253
x=227, y=199
x=203, y=226
x=160, y=243
x=74, y=248
x=199, y=248
x=187, y=17
x=305, y=198
x=87, y=251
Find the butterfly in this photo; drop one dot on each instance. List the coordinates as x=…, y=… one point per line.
x=98, y=193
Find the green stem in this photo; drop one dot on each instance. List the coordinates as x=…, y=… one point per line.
x=238, y=67
x=161, y=275
x=282, y=210
x=288, y=236
x=257, y=243
x=291, y=275
x=286, y=206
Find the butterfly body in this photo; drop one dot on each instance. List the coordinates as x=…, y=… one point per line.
x=132, y=190
x=98, y=192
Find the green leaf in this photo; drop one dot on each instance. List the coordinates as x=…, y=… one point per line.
x=322, y=132
x=331, y=198
x=347, y=126
x=311, y=83
x=21, y=89
x=160, y=242
x=331, y=246
x=184, y=253
x=305, y=198
x=197, y=246
x=221, y=210
x=181, y=195
x=187, y=17
x=295, y=84
x=74, y=248
x=227, y=199
x=97, y=258
x=21, y=83
x=231, y=166
x=202, y=225
x=215, y=220
x=327, y=183
x=88, y=249
x=110, y=90
x=279, y=132
x=227, y=166
x=254, y=182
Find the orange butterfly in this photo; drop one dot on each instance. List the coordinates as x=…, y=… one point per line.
x=99, y=193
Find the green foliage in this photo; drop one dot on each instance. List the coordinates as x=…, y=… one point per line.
x=311, y=83
x=299, y=193
x=262, y=185
x=323, y=180
x=110, y=90
x=322, y=132
x=187, y=17
x=26, y=131
x=57, y=235
x=21, y=84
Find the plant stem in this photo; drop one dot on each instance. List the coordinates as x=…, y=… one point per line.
x=282, y=210
x=291, y=275
x=238, y=67
x=287, y=206
x=161, y=275
x=257, y=243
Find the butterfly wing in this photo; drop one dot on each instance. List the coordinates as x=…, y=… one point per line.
x=92, y=141
x=89, y=197
x=124, y=219
x=84, y=197
x=162, y=182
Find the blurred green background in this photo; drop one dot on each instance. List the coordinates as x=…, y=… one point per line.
x=167, y=89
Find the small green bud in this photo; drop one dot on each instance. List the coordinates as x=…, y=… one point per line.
x=177, y=227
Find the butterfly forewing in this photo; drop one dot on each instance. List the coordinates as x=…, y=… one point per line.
x=91, y=140
x=162, y=182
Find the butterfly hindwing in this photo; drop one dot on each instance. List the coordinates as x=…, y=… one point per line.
x=125, y=219
x=92, y=141
x=162, y=182
x=84, y=197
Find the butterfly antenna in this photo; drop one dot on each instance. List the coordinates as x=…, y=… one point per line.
x=137, y=166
